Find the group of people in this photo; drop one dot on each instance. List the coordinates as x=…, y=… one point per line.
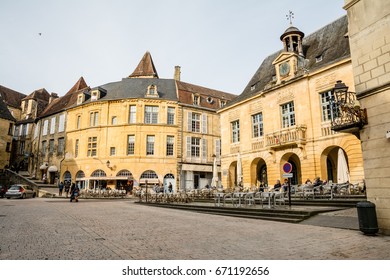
x=160, y=188
x=71, y=189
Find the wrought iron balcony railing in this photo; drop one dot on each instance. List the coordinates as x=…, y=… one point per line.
x=293, y=136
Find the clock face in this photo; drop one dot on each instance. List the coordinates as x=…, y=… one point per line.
x=284, y=69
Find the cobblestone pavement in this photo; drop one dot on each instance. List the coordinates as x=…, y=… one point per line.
x=37, y=229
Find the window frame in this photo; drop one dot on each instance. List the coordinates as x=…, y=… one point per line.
x=287, y=111
x=235, y=131
x=257, y=125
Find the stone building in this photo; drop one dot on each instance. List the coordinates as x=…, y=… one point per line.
x=48, y=136
x=10, y=113
x=143, y=130
x=369, y=37
x=284, y=114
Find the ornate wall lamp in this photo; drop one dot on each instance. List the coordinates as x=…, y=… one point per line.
x=347, y=115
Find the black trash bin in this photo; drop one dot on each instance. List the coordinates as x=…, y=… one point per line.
x=367, y=217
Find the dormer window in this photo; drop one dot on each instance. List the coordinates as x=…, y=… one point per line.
x=94, y=95
x=152, y=91
x=253, y=87
x=222, y=103
x=80, y=98
x=319, y=58
x=196, y=99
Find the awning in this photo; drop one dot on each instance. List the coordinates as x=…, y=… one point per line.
x=103, y=178
x=150, y=181
x=52, y=168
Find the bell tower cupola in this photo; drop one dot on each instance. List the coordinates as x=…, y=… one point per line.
x=292, y=38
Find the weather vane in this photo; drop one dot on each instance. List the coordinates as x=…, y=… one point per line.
x=290, y=16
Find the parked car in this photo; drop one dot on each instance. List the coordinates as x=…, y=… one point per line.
x=20, y=191
x=3, y=190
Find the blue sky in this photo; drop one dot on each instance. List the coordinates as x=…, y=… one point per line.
x=218, y=43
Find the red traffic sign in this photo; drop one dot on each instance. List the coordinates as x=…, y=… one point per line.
x=287, y=167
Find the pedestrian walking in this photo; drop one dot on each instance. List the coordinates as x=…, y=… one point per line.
x=60, y=188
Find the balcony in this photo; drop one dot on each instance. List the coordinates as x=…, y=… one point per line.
x=293, y=136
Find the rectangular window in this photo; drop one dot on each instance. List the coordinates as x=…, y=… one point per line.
x=195, y=147
x=328, y=106
x=195, y=122
x=52, y=125
x=196, y=99
x=76, y=148
x=130, y=144
x=92, y=147
x=45, y=127
x=21, y=147
x=51, y=146
x=113, y=120
x=257, y=125
x=93, y=118
x=24, y=130
x=170, y=145
x=10, y=129
x=61, y=123
x=78, y=122
x=171, y=115
x=132, y=115
x=150, y=145
x=151, y=114
x=61, y=146
x=288, y=115
x=218, y=149
x=235, y=126
x=112, y=151
x=44, y=147
x=8, y=147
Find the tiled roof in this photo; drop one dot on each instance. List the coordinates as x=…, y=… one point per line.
x=186, y=91
x=11, y=97
x=328, y=42
x=145, y=68
x=69, y=99
x=39, y=94
x=4, y=112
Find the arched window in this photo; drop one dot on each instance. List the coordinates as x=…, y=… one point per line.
x=98, y=173
x=80, y=174
x=67, y=176
x=149, y=174
x=124, y=173
x=169, y=176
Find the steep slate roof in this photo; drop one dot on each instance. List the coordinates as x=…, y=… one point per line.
x=185, y=91
x=137, y=88
x=145, y=68
x=69, y=99
x=4, y=112
x=11, y=97
x=328, y=41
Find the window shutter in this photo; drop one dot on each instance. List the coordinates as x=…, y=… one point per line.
x=189, y=121
x=204, y=149
x=218, y=149
x=52, y=125
x=61, y=125
x=188, y=146
x=204, y=123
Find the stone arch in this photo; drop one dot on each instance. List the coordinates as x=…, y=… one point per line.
x=295, y=160
x=258, y=170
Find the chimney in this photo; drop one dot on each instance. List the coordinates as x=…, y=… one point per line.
x=176, y=76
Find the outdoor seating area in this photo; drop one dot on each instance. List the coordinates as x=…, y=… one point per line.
x=102, y=193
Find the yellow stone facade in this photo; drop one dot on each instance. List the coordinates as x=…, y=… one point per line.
x=111, y=135
x=369, y=25
x=5, y=142
x=308, y=143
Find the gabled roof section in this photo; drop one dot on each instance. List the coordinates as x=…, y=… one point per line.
x=39, y=94
x=209, y=97
x=11, y=97
x=328, y=42
x=79, y=85
x=4, y=112
x=145, y=68
x=69, y=99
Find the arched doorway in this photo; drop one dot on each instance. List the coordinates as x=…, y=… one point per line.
x=232, y=176
x=97, y=179
x=329, y=163
x=258, y=172
x=80, y=175
x=124, y=181
x=150, y=178
x=169, y=179
x=67, y=177
x=296, y=167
